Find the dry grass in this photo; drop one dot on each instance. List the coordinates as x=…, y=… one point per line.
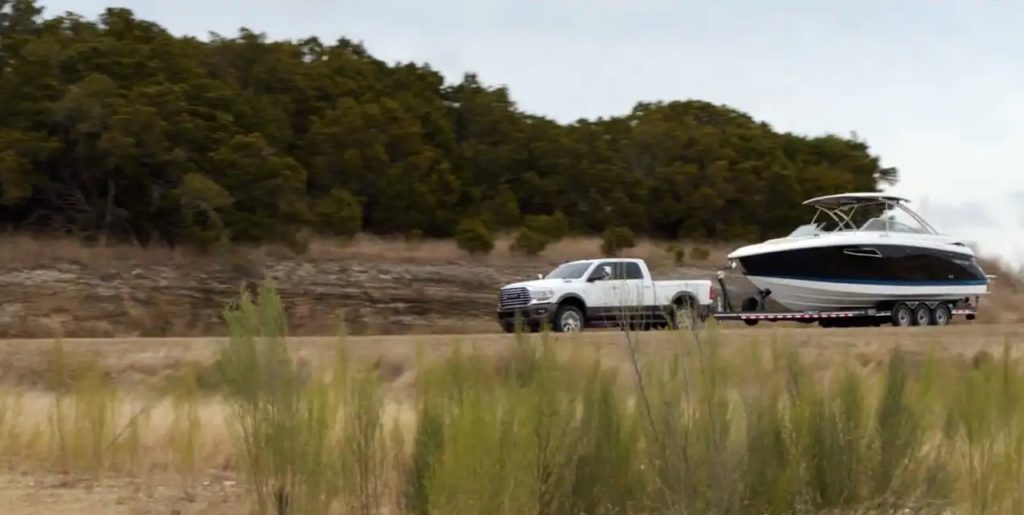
x=191, y=466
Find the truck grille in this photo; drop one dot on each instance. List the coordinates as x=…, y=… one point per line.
x=513, y=298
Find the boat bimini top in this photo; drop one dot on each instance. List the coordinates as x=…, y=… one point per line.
x=835, y=213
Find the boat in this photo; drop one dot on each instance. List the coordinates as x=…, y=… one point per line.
x=861, y=250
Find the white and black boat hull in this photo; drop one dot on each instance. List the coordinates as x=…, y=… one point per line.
x=824, y=295
x=863, y=276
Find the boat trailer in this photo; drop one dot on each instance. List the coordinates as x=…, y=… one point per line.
x=753, y=311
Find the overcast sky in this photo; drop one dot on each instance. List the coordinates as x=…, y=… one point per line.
x=936, y=88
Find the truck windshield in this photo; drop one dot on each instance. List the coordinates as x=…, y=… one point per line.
x=569, y=271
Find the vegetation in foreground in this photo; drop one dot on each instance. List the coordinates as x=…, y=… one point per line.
x=115, y=129
x=702, y=432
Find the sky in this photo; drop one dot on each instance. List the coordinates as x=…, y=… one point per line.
x=935, y=87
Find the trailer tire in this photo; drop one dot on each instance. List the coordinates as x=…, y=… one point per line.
x=902, y=315
x=941, y=315
x=922, y=315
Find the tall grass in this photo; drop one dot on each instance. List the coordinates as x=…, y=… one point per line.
x=697, y=430
x=91, y=429
x=702, y=425
x=186, y=427
x=306, y=443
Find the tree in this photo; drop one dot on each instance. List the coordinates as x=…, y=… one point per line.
x=616, y=239
x=115, y=129
x=529, y=242
x=473, y=237
x=339, y=212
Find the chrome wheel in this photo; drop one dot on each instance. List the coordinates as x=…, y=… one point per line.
x=941, y=315
x=570, y=322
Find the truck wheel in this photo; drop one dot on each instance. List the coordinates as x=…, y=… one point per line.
x=569, y=319
x=508, y=327
x=941, y=315
x=684, y=315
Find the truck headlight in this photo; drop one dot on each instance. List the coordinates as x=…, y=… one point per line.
x=541, y=294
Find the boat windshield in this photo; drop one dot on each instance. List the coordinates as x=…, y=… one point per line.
x=876, y=216
x=894, y=220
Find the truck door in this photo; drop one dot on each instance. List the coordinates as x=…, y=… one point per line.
x=599, y=293
x=633, y=292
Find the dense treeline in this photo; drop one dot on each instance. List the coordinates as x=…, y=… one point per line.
x=115, y=128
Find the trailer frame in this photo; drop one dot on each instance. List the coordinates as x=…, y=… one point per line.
x=853, y=317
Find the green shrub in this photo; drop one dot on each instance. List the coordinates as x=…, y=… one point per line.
x=414, y=236
x=472, y=236
x=700, y=253
x=678, y=254
x=285, y=447
x=553, y=227
x=616, y=239
x=529, y=242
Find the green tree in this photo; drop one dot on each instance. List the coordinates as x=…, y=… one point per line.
x=113, y=128
x=529, y=242
x=339, y=212
x=473, y=237
x=616, y=239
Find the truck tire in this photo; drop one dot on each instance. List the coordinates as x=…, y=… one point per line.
x=684, y=313
x=568, y=319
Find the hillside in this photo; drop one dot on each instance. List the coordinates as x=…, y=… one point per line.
x=54, y=288
x=61, y=288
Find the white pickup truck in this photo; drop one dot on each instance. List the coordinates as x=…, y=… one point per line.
x=602, y=293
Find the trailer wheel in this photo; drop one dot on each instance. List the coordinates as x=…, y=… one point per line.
x=922, y=314
x=941, y=315
x=751, y=304
x=902, y=315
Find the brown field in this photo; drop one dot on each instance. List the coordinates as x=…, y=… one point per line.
x=147, y=367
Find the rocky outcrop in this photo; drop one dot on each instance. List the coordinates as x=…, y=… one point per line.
x=130, y=298
x=123, y=299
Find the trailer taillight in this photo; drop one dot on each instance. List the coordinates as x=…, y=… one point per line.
x=712, y=294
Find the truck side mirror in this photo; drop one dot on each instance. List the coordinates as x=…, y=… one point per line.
x=598, y=275
x=540, y=276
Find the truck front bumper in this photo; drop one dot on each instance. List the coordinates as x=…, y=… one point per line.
x=532, y=316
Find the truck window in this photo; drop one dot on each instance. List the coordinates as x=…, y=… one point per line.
x=607, y=265
x=633, y=271
x=623, y=270
x=569, y=271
